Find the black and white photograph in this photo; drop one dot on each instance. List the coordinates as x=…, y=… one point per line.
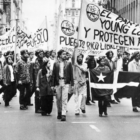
x=69, y=69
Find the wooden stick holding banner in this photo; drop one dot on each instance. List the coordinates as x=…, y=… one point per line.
x=48, y=34
x=16, y=39
x=75, y=49
x=89, y=79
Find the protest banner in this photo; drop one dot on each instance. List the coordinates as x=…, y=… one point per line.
x=40, y=38
x=67, y=37
x=101, y=30
x=7, y=41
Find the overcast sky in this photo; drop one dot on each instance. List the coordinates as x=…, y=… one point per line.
x=34, y=12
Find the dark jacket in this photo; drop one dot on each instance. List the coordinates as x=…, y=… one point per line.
x=23, y=72
x=36, y=67
x=44, y=84
x=68, y=73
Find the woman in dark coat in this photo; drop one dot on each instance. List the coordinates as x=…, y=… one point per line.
x=8, y=81
x=103, y=99
x=44, y=88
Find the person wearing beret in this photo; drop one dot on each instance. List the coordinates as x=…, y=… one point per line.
x=134, y=66
x=103, y=99
x=37, y=66
x=43, y=86
x=24, y=79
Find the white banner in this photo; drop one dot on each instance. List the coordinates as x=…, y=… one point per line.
x=102, y=30
x=7, y=41
x=67, y=38
x=40, y=38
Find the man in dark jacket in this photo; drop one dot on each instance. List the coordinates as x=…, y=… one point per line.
x=62, y=77
x=24, y=79
x=37, y=66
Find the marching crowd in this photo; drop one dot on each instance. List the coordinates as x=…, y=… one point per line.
x=47, y=74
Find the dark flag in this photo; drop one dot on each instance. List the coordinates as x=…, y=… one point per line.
x=126, y=83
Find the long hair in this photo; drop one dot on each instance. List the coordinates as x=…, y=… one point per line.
x=44, y=70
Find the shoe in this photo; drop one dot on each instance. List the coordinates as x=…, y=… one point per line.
x=105, y=113
x=63, y=118
x=135, y=110
x=88, y=103
x=38, y=111
x=83, y=110
x=117, y=99
x=113, y=102
x=77, y=114
x=44, y=114
x=108, y=105
x=30, y=104
x=59, y=116
x=26, y=107
x=6, y=104
x=92, y=102
x=22, y=108
x=100, y=115
x=138, y=106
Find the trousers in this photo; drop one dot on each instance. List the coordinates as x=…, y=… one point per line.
x=80, y=98
x=46, y=104
x=102, y=104
x=24, y=93
x=62, y=97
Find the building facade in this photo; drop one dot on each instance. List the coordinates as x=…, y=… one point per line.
x=10, y=10
x=129, y=9
x=72, y=10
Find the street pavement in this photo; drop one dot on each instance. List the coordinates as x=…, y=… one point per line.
x=121, y=123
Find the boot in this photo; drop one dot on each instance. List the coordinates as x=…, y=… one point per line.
x=37, y=105
x=100, y=112
x=59, y=115
x=6, y=103
x=63, y=118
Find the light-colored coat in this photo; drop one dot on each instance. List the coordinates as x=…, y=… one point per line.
x=134, y=66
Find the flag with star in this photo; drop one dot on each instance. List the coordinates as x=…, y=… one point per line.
x=100, y=83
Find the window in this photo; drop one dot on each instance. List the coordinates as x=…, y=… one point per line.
x=73, y=5
x=73, y=20
x=77, y=12
x=73, y=12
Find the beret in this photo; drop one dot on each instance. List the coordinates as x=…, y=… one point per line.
x=38, y=51
x=23, y=52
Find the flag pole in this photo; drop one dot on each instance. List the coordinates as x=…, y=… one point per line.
x=48, y=34
x=57, y=29
x=79, y=25
x=89, y=79
x=75, y=48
